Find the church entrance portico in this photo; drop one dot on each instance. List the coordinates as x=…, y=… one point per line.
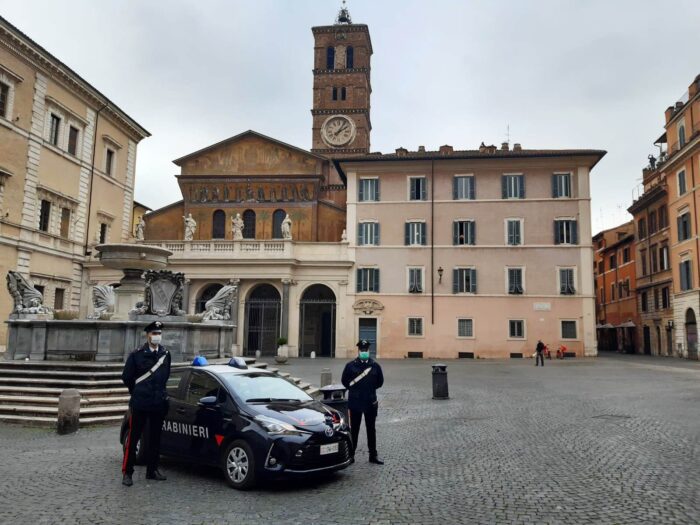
x=262, y=320
x=317, y=319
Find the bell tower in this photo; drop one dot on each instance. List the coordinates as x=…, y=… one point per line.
x=341, y=123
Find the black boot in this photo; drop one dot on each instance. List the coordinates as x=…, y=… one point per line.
x=375, y=460
x=156, y=476
x=127, y=481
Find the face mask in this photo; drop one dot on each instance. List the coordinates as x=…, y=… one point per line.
x=364, y=355
x=155, y=339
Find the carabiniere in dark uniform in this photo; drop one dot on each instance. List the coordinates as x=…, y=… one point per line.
x=362, y=377
x=145, y=374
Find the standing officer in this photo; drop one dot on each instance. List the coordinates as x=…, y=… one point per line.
x=145, y=374
x=539, y=349
x=362, y=377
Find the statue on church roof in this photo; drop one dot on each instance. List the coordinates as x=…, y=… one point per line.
x=343, y=16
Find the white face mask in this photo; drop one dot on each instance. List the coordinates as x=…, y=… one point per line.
x=155, y=339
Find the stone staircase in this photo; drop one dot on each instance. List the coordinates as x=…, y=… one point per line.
x=29, y=390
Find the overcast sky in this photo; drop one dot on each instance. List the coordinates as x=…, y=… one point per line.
x=561, y=74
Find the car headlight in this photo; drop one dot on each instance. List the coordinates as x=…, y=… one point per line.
x=277, y=427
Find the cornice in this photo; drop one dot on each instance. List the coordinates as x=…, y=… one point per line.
x=344, y=71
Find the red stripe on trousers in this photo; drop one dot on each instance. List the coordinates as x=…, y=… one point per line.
x=128, y=442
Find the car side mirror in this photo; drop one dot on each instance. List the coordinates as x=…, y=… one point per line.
x=209, y=402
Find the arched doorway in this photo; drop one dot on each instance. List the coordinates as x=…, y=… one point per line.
x=208, y=292
x=277, y=219
x=262, y=315
x=218, y=225
x=249, y=224
x=691, y=333
x=317, y=321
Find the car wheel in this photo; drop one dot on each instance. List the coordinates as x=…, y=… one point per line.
x=239, y=465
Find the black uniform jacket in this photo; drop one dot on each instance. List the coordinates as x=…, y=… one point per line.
x=363, y=394
x=149, y=394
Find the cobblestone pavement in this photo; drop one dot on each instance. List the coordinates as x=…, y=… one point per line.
x=612, y=440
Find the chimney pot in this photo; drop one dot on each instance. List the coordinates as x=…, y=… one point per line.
x=517, y=147
x=504, y=146
x=421, y=149
x=446, y=150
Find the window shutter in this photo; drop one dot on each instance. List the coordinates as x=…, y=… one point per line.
x=455, y=280
x=376, y=232
x=511, y=233
x=423, y=189
x=455, y=233
x=376, y=280
x=407, y=234
x=562, y=281
x=423, y=233
x=683, y=283
x=455, y=182
x=521, y=188
x=472, y=232
x=473, y=280
x=679, y=223
x=358, y=284
x=554, y=186
x=411, y=280
x=472, y=188
x=376, y=189
x=360, y=190
x=360, y=234
x=504, y=187
x=556, y=232
x=574, y=232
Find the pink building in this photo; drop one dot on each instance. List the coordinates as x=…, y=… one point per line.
x=471, y=253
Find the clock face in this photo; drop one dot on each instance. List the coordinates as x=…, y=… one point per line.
x=338, y=131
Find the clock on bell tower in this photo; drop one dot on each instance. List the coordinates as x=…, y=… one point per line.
x=341, y=123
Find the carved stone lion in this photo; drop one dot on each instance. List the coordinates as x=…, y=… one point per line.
x=28, y=300
x=103, y=300
x=218, y=308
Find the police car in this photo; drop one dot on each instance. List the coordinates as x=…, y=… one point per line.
x=249, y=422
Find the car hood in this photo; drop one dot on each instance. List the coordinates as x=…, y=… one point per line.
x=309, y=415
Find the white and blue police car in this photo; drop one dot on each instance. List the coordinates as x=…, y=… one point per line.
x=249, y=422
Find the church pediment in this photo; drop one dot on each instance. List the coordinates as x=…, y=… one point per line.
x=251, y=154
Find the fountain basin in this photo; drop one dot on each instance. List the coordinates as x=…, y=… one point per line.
x=133, y=256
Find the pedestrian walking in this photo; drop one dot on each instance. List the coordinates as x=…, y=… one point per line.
x=539, y=350
x=362, y=377
x=145, y=374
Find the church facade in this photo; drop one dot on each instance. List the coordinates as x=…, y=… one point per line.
x=473, y=253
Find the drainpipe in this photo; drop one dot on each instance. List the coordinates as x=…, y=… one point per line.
x=432, y=242
x=92, y=176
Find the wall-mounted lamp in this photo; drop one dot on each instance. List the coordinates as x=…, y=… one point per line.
x=440, y=270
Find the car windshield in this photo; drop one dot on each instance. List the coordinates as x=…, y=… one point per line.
x=253, y=388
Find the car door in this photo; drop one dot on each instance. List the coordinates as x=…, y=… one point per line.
x=171, y=441
x=202, y=425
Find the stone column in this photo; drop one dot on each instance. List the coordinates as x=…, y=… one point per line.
x=235, y=347
x=284, y=330
x=186, y=296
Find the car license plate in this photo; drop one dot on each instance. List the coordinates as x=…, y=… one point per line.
x=329, y=449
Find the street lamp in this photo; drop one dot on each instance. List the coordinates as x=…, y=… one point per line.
x=440, y=270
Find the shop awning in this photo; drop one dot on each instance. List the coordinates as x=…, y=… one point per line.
x=627, y=324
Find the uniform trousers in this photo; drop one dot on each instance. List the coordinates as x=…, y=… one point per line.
x=355, y=420
x=539, y=359
x=152, y=423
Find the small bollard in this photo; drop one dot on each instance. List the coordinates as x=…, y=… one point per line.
x=326, y=377
x=440, y=381
x=68, y=411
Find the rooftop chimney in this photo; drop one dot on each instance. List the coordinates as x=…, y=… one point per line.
x=446, y=150
x=517, y=147
x=421, y=149
x=693, y=88
x=504, y=146
x=669, y=114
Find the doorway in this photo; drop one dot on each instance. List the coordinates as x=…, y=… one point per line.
x=317, y=322
x=691, y=333
x=262, y=315
x=368, y=330
x=647, y=340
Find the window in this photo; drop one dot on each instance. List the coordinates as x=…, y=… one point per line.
x=349, y=57
x=561, y=185
x=601, y=266
x=415, y=233
x=663, y=217
x=514, y=232
x=567, y=285
x=645, y=306
x=335, y=93
x=516, y=329
x=368, y=190
x=73, y=140
x=65, y=222
x=368, y=234
x=568, y=330
x=343, y=93
x=44, y=215
x=653, y=226
x=626, y=255
x=367, y=280
x=58, y=298
x=681, y=182
x=656, y=298
x=218, y=225
x=684, y=231
x=663, y=258
x=642, y=228
x=619, y=289
x=513, y=186
x=417, y=189
x=464, y=187
x=4, y=99
x=463, y=233
x=103, y=233
x=465, y=328
x=515, y=281
x=612, y=292
x=565, y=231
x=686, y=276
x=602, y=294
x=201, y=385
x=55, y=129
x=681, y=135
x=277, y=219
x=249, y=221
x=173, y=384
x=654, y=258
x=415, y=280
x=613, y=262
x=665, y=297
x=627, y=287
x=330, y=58
x=109, y=162
x=415, y=326
x=643, y=261
x=464, y=280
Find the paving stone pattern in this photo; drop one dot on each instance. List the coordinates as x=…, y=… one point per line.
x=612, y=440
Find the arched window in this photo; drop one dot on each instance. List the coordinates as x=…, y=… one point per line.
x=207, y=293
x=218, y=225
x=350, y=57
x=330, y=58
x=277, y=219
x=681, y=136
x=249, y=224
